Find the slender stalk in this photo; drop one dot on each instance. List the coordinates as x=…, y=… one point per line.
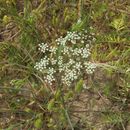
x=59, y=83
x=66, y=112
x=68, y=118
x=80, y=8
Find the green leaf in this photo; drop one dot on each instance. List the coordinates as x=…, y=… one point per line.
x=118, y=24
x=79, y=25
x=58, y=94
x=51, y=104
x=79, y=86
x=69, y=95
x=38, y=123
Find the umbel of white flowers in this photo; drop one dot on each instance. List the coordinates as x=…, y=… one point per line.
x=68, y=57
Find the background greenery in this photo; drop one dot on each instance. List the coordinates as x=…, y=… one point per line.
x=25, y=102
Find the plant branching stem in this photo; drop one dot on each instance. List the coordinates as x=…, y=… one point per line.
x=66, y=112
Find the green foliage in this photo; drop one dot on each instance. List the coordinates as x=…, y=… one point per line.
x=99, y=9
x=118, y=23
x=81, y=24
x=69, y=95
x=79, y=86
x=58, y=94
x=51, y=104
x=23, y=92
x=38, y=123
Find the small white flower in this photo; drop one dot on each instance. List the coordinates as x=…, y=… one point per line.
x=42, y=64
x=87, y=46
x=53, y=50
x=66, y=50
x=82, y=41
x=53, y=61
x=94, y=39
x=84, y=86
x=43, y=47
x=79, y=20
x=78, y=66
x=71, y=62
x=77, y=51
x=85, y=53
x=73, y=41
x=90, y=67
x=60, y=60
x=50, y=76
x=86, y=31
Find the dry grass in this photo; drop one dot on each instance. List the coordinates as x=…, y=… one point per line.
x=104, y=105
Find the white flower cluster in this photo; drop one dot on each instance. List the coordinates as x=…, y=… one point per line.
x=50, y=75
x=43, y=47
x=90, y=67
x=42, y=64
x=67, y=58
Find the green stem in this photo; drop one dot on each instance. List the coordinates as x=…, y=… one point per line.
x=63, y=102
x=66, y=112
x=68, y=118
